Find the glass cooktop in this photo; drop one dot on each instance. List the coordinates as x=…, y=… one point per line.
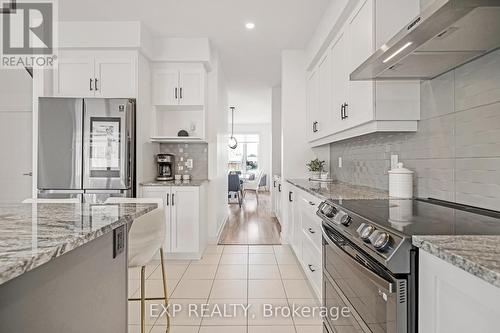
x=426, y=216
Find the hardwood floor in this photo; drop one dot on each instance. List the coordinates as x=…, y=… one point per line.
x=251, y=224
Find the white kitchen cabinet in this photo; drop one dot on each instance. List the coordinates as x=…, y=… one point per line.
x=179, y=84
x=277, y=204
x=185, y=211
x=453, y=300
x=106, y=74
x=312, y=107
x=362, y=107
x=183, y=219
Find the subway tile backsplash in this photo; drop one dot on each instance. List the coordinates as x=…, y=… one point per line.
x=455, y=153
x=198, y=152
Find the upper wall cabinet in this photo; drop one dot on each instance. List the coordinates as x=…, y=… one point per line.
x=179, y=84
x=107, y=74
x=354, y=108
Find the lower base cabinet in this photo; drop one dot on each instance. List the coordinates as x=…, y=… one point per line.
x=185, y=238
x=453, y=300
x=304, y=234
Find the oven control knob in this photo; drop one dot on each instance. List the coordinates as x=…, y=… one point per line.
x=345, y=220
x=366, y=232
x=329, y=211
x=381, y=241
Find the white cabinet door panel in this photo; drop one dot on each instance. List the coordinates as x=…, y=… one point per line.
x=191, y=87
x=166, y=87
x=185, y=205
x=325, y=96
x=74, y=75
x=340, y=80
x=312, y=105
x=116, y=77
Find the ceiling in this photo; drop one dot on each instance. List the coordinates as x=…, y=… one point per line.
x=250, y=59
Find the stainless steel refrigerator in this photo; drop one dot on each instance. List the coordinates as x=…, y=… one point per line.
x=86, y=148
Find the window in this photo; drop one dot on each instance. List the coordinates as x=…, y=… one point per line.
x=245, y=158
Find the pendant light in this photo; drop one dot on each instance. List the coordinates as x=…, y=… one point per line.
x=233, y=143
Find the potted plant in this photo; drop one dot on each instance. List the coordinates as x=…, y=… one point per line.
x=315, y=168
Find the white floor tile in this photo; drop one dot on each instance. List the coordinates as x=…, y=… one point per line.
x=259, y=317
x=232, y=249
x=282, y=249
x=181, y=314
x=262, y=259
x=223, y=329
x=298, y=289
x=193, y=289
x=260, y=249
x=137, y=328
x=135, y=272
x=234, y=259
x=154, y=288
x=232, y=272
x=225, y=312
x=134, y=313
x=286, y=259
x=263, y=272
x=271, y=329
x=133, y=287
x=200, y=272
x=229, y=289
x=292, y=272
x=208, y=259
x=309, y=329
x=174, y=271
x=314, y=319
x=175, y=329
x=265, y=289
x=214, y=249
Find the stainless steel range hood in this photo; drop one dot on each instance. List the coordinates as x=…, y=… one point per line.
x=444, y=36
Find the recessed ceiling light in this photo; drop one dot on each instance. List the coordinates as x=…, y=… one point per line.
x=250, y=25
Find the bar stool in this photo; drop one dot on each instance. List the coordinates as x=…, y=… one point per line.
x=146, y=238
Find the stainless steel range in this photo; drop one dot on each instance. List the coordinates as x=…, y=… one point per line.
x=370, y=265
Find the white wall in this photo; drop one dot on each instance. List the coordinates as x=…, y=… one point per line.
x=265, y=144
x=276, y=132
x=145, y=149
x=217, y=129
x=296, y=151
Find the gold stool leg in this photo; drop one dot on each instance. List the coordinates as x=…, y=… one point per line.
x=143, y=301
x=165, y=291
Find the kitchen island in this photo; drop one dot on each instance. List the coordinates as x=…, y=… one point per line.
x=63, y=267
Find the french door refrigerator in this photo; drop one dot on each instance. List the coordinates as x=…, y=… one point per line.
x=86, y=148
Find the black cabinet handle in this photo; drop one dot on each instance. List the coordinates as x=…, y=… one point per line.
x=180, y=92
x=346, y=106
x=173, y=199
x=315, y=126
x=311, y=268
x=311, y=231
x=168, y=199
x=312, y=203
x=95, y=85
x=279, y=187
x=274, y=183
x=175, y=92
x=290, y=196
x=91, y=85
x=342, y=112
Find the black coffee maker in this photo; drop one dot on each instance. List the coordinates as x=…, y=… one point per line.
x=165, y=167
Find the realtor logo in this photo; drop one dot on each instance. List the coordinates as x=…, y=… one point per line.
x=27, y=34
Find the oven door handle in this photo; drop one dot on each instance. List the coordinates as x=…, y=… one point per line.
x=382, y=284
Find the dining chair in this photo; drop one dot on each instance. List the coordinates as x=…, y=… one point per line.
x=146, y=238
x=253, y=185
x=234, y=186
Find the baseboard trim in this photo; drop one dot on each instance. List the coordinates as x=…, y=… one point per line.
x=219, y=232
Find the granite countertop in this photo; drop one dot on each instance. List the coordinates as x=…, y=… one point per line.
x=34, y=234
x=338, y=190
x=192, y=182
x=477, y=255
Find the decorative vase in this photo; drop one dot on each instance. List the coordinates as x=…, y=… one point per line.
x=314, y=174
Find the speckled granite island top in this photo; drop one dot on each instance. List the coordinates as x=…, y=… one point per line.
x=477, y=255
x=338, y=190
x=34, y=234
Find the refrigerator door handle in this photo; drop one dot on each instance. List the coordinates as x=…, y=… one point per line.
x=60, y=191
x=104, y=191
